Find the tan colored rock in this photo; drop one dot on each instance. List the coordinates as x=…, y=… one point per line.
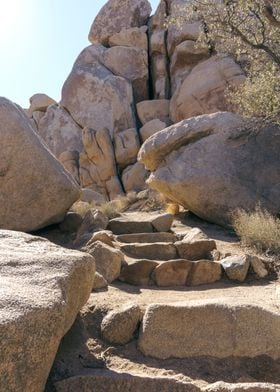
x=236, y=267
x=119, y=326
x=99, y=282
x=40, y=102
x=70, y=162
x=134, y=37
x=127, y=145
x=150, y=128
x=138, y=272
x=202, y=157
x=179, y=33
x=108, y=260
x=146, y=237
x=232, y=329
x=105, y=236
x=125, y=225
x=150, y=251
x=43, y=287
x=97, y=164
x=151, y=110
x=134, y=177
x=203, y=89
x=162, y=222
x=131, y=64
x=159, y=64
x=35, y=190
x=258, y=266
x=195, y=246
x=116, y=15
x=204, y=272
x=95, y=97
x=59, y=131
x=186, y=56
x=172, y=273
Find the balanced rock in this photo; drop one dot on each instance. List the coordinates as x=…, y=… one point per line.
x=116, y=15
x=40, y=102
x=207, y=163
x=43, y=287
x=35, y=190
x=119, y=326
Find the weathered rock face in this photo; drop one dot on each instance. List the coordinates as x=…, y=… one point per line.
x=43, y=286
x=135, y=37
x=203, y=89
x=116, y=15
x=35, y=190
x=59, y=131
x=208, y=165
x=95, y=97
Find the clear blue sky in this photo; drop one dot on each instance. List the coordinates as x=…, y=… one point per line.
x=39, y=42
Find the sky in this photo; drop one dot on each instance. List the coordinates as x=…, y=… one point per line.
x=39, y=42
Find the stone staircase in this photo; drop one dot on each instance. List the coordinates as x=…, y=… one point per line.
x=173, y=323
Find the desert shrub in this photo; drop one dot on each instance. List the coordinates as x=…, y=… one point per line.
x=113, y=208
x=258, y=229
x=82, y=207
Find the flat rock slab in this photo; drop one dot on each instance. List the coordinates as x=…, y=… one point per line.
x=213, y=328
x=132, y=223
x=156, y=251
x=146, y=237
x=43, y=287
x=109, y=381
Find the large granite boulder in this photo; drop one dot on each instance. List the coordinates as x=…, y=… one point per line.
x=203, y=90
x=43, y=287
x=213, y=164
x=35, y=190
x=116, y=15
x=95, y=97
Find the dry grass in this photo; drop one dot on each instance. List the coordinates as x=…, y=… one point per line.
x=82, y=207
x=258, y=229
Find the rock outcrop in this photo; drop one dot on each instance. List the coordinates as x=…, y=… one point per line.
x=43, y=286
x=213, y=164
x=35, y=190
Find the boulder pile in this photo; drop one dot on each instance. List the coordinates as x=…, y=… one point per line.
x=137, y=77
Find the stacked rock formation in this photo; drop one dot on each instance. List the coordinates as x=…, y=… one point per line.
x=137, y=77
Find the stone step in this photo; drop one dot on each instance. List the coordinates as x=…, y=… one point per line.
x=171, y=273
x=150, y=251
x=215, y=328
x=141, y=223
x=146, y=237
